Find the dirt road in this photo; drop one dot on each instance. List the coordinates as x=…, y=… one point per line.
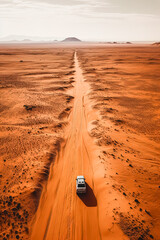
x=61, y=213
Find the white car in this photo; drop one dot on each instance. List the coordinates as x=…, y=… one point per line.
x=80, y=184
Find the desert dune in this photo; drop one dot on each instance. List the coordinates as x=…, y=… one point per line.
x=91, y=110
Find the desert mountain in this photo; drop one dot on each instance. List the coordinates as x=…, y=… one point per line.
x=71, y=39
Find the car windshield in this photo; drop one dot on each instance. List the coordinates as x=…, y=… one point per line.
x=81, y=185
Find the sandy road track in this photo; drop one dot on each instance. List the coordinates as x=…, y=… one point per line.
x=61, y=213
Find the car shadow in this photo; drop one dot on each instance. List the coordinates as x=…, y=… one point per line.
x=88, y=198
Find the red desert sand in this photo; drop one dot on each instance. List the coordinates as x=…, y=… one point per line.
x=91, y=110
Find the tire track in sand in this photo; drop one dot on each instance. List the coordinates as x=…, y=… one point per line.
x=62, y=214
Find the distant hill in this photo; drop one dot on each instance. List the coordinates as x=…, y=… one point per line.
x=26, y=40
x=71, y=39
x=156, y=43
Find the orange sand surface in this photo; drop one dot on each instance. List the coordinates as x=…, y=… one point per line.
x=79, y=110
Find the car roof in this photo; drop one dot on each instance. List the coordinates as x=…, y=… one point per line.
x=80, y=177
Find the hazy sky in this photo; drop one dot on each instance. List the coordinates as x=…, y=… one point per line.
x=104, y=20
